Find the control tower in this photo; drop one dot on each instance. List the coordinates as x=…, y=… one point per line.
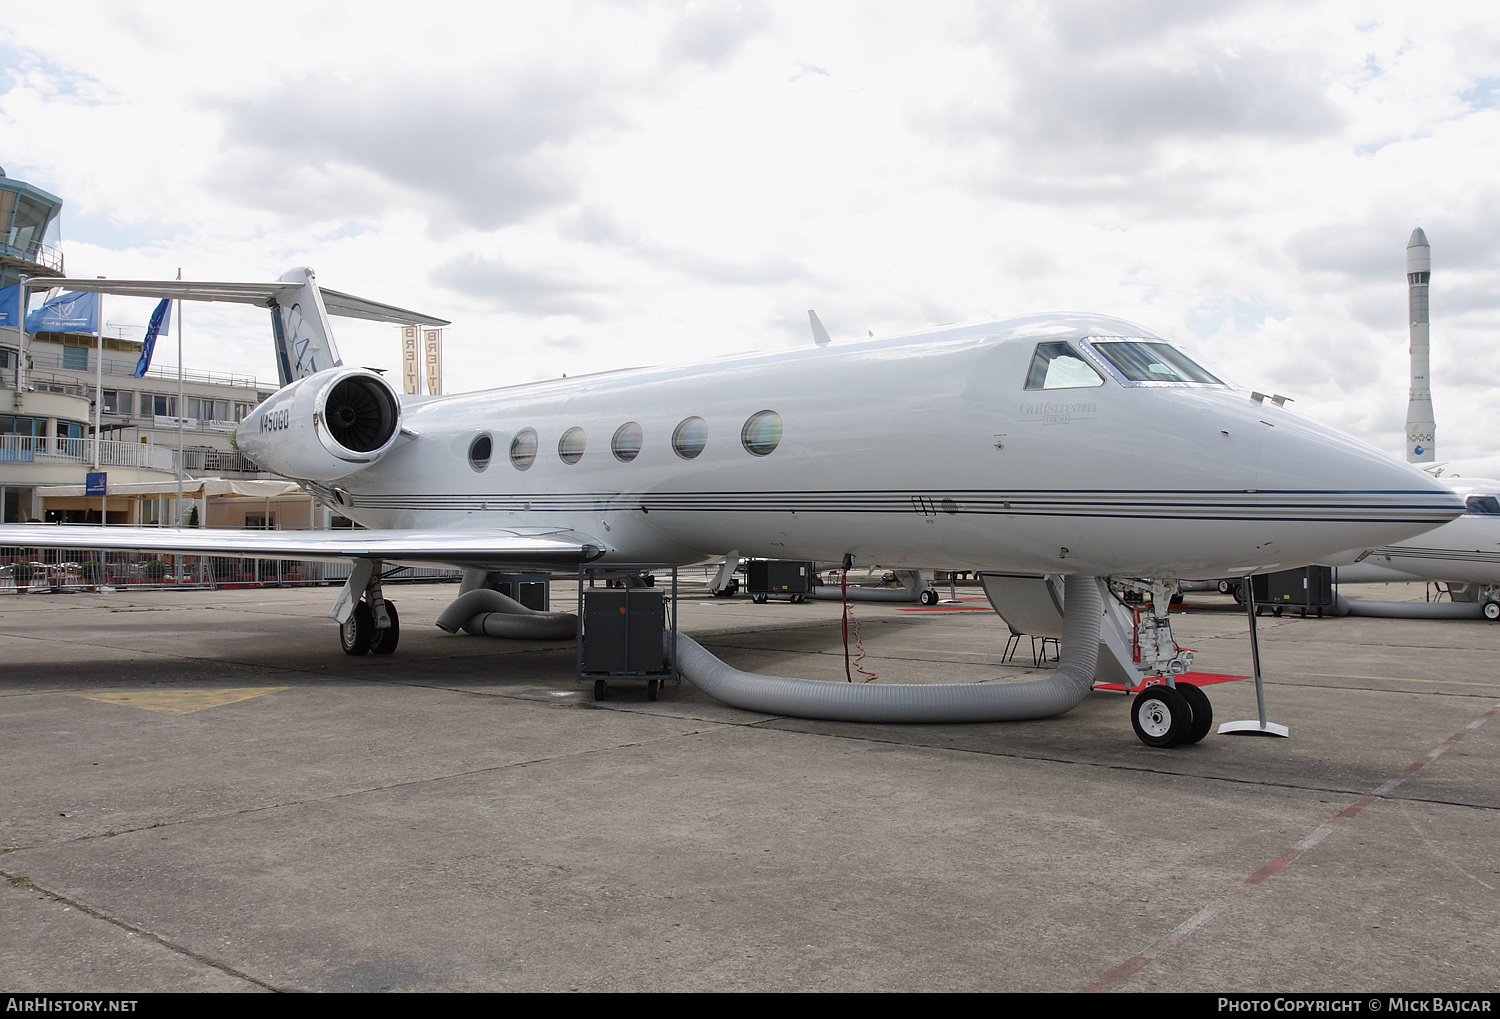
x=1421, y=428
x=28, y=232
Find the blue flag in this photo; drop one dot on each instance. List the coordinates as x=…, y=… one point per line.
x=161, y=319
x=73, y=312
x=10, y=306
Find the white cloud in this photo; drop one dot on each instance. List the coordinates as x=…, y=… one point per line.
x=583, y=186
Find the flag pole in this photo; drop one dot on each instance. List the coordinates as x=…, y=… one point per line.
x=181, y=407
x=98, y=380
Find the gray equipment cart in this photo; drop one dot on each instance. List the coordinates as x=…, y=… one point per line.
x=621, y=625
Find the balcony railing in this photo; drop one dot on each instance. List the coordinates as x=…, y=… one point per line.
x=39, y=449
x=126, y=367
x=44, y=255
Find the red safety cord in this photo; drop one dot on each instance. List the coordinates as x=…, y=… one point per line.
x=848, y=676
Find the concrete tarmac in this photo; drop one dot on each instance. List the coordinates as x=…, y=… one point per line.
x=203, y=793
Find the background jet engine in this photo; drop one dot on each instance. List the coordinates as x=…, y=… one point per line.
x=323, y=427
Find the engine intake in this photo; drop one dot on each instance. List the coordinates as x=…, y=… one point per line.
x=323, y=427
x=361, y=413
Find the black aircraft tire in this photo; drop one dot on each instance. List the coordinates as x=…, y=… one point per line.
x=1203, y=712
x=385, y=641
x=1160, y=716
x=355, y=635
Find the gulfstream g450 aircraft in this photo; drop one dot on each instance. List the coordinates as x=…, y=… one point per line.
x=1070, y=444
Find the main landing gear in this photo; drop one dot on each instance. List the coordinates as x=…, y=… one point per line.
x=361, y=636
x=371, y=624
x=1166, y=716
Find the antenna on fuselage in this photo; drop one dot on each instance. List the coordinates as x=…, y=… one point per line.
x=820, y=335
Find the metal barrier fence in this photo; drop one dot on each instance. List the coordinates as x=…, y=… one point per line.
x=40, y=569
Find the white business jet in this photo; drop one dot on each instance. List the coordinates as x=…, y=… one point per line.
x=1462, y=552
x=1070, y=445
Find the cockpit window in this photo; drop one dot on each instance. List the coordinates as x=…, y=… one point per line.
x=1060, y=366
x=1482, y=505
x=1151, y=361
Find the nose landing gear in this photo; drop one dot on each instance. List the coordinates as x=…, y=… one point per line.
x=1165, y=716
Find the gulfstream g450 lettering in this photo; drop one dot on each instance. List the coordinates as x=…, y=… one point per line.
x=1068, y=444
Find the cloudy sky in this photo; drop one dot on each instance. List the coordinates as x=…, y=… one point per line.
x=595, y=185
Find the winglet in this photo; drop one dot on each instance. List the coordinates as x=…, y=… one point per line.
x=820, y=335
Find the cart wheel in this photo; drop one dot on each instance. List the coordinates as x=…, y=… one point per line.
x=651, y=686
x=598, y=689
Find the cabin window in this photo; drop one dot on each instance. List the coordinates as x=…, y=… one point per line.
x=1482, y=505
x=626, y=445
x=570, y=446
x=523, y=449
x=479, y=452
x=1058, y=365
x=762, y=433
x=690, y=437
x=1151, y=361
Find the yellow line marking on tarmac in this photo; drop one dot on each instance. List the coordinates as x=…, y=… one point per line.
x=1393, y=679
x=182, y=702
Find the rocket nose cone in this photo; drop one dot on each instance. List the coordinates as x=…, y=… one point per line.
x=1418, y=239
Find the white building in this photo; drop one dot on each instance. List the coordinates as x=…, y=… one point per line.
x=48, y=392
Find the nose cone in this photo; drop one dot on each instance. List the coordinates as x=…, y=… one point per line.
x=1348, y=493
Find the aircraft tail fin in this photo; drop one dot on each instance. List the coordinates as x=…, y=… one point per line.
x=299, y=325
x=820, y=335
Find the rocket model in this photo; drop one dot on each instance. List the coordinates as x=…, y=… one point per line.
x=1421, y=429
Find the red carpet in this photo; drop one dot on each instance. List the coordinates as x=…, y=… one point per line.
x=1193, y=678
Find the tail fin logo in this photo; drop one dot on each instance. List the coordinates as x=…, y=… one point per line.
x=302, y=340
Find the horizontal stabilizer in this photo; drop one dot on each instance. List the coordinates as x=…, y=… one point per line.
x=343, y=305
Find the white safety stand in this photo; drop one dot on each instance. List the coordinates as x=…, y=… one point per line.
x=1254, y=727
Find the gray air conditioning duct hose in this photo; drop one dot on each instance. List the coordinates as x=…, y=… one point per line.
x=1407, y=609
x=835, y=592
x=485, y=612
x=915, y=702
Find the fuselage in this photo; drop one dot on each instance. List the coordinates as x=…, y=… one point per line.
x=927, y=450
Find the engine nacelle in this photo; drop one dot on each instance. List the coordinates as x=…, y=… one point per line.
x=323, y=427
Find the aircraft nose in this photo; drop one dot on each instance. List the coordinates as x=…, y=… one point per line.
x=1375, y=496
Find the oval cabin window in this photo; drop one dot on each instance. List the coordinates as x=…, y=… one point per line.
x=626, y=445
x=570, y=446
x=690, y=437
x=479, y=452
x=762, y=433
x=523, y=449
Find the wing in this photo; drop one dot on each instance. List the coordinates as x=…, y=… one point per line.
x=519, y=548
